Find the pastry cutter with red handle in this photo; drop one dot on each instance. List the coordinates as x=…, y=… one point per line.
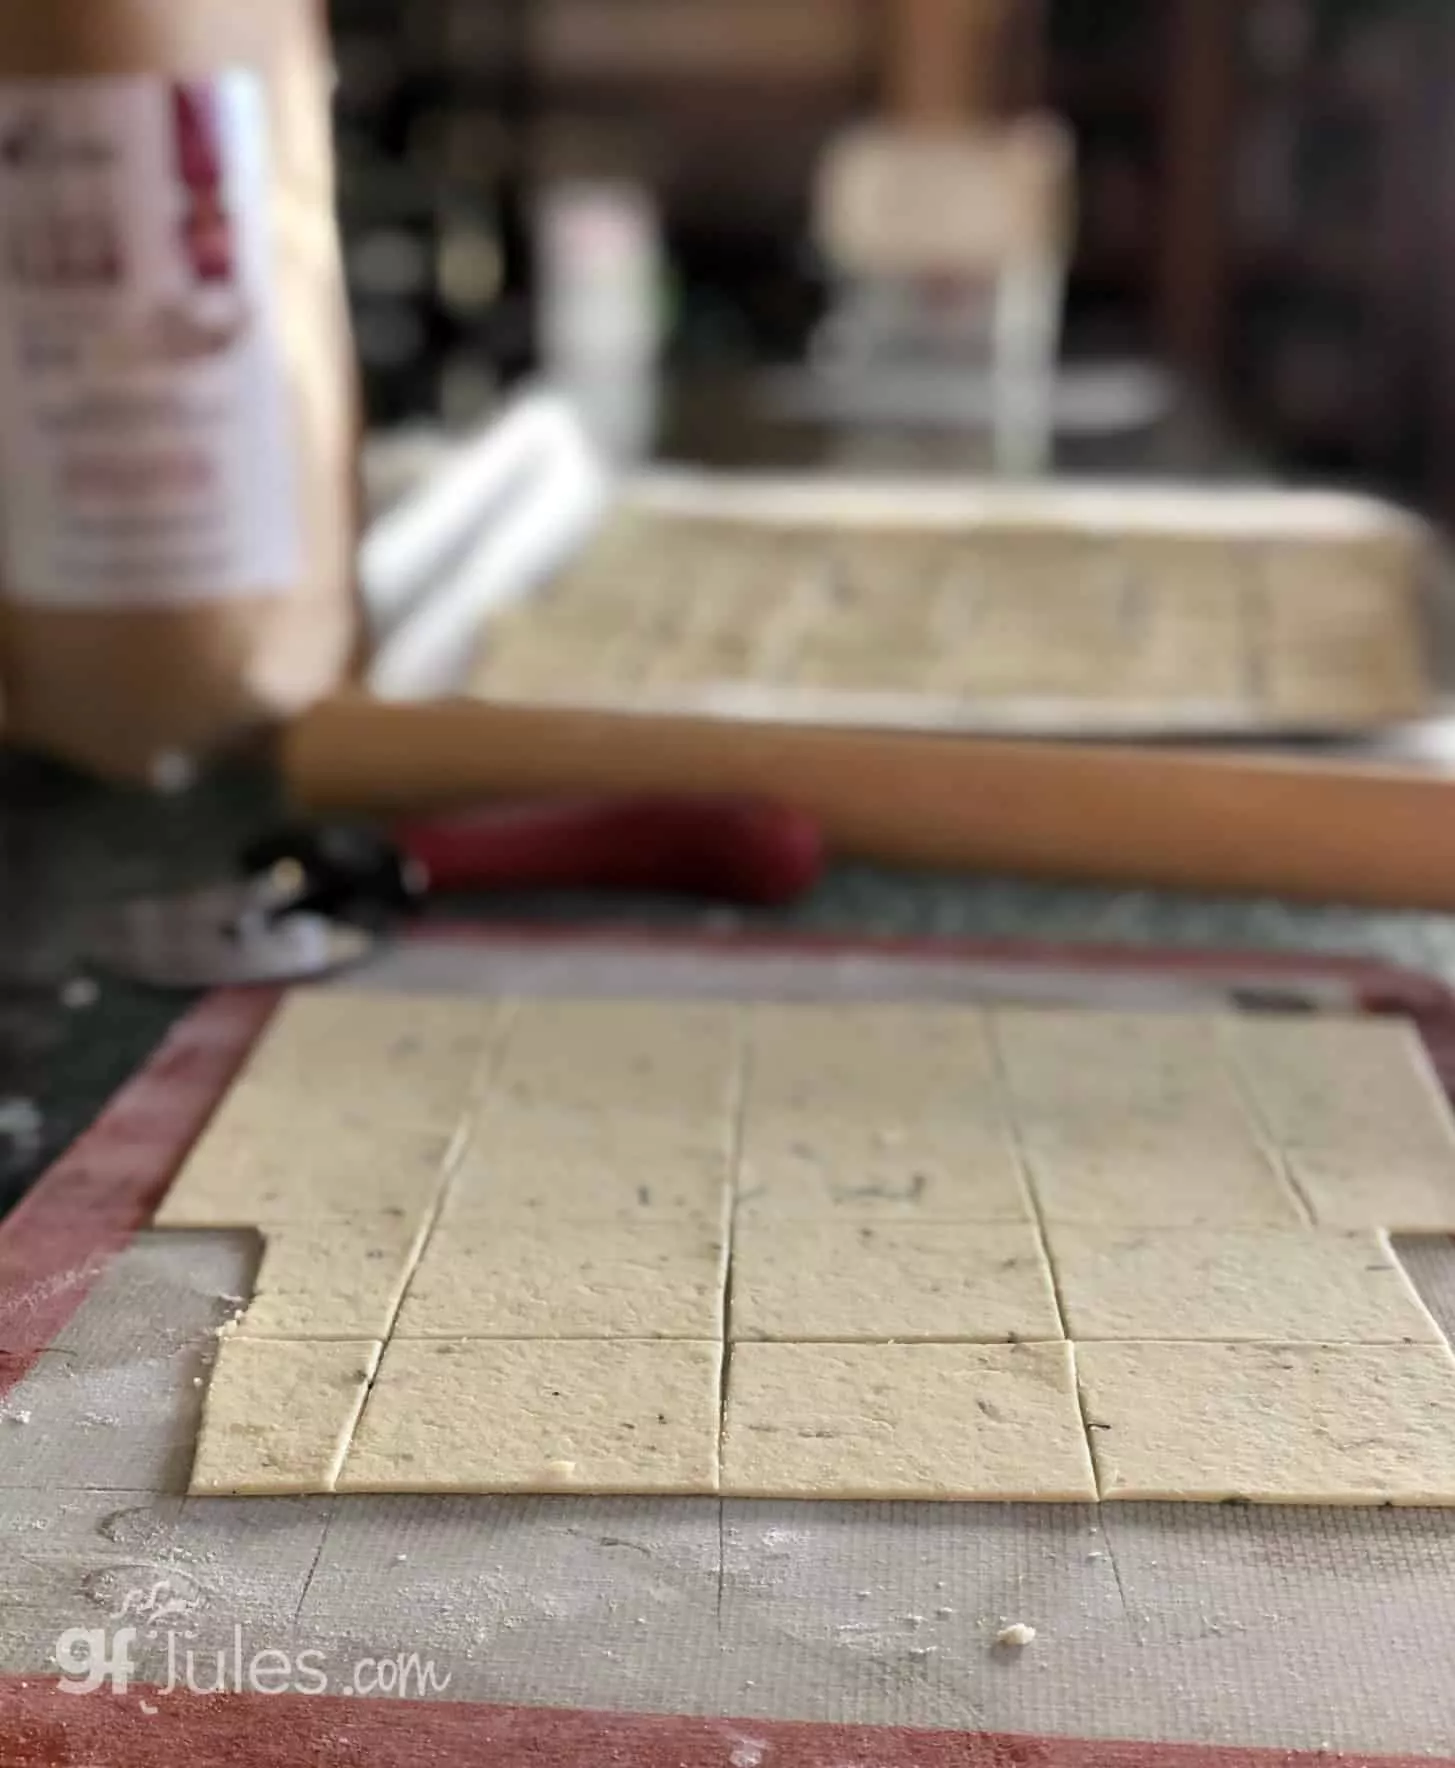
x=318, y=898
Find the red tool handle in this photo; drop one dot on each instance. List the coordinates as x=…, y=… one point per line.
x=735, y=849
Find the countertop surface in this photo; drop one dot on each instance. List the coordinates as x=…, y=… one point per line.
x=68, y=1041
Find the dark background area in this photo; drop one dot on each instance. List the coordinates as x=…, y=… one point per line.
x=1267, y=191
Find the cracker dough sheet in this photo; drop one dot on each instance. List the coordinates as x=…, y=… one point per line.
x=828, y=1252
x=997, y=620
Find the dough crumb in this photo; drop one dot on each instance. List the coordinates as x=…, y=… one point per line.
x=1015, y=1637
x=560, y=1469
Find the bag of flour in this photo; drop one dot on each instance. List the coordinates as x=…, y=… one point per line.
x=178, y=419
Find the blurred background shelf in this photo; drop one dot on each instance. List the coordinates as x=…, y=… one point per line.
x=1266, y=191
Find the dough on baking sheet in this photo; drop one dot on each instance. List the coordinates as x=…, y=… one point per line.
x=966, y=1421
x=332, y=1279
x=875, y=1113
x=1328, y=629
x=842, y=1174
x=521, y=1137
x=1083, y=1068
x=610, y=1183
x=1329, y=1083
x=500, y=1415
x=1140, y=1174
x=1363, y=1124
x=1277, y=1424
x=1190, y=631
x=666, y=1058
x=1342, y=635
x=882, y=1061
x=309, y=1162
x=1228, y=1286
x=413, y=1060
x=1409, y=1193
x=562, y=1329
x=279, y=1415
x=560, y=1279
x=871, y=1282
x=1136, y=1119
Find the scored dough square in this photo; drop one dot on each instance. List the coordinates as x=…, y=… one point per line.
x=508, y=1135
x=1081, y=1062
x=1236, y=1285
x=278, y=1416
x=309, y=1163
x=1275, y=1424
x=888, y=1062
x=568, y=1280
x=836, y=1282
x=1407, y=1192
x=622, y=1178
x=332, y=1279
x=500, y=1415
x=860, y=1168
x=1326, y=1083
x=674, y=1058
x=933, y=1421
x=1356, y=1108
x=1133, y=1119
x=1141, y=1176
x=395, y=1058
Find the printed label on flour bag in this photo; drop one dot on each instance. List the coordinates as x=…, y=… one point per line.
x=144, y=439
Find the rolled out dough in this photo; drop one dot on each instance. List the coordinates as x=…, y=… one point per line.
x=279, y=1416
x=412, y=1060
x=960, y=1421
x=648, y=1279
x=606, y=1183
x=1236, y=1285
x=870, y=1062
x=898, y=1170
x=498, y=1415
x=1366, y=1132
x=308, y=1163
x=898, y=1187
x=1135, y=1175
x=665, y=607
x=607, y=1056
x=332, y=1279
x=873, y=1282
x=1273, y=1424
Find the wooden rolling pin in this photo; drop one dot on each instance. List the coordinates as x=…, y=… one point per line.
x=1182, y=819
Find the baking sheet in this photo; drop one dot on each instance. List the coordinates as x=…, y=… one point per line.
x=1291, y=1629
x=874, y=511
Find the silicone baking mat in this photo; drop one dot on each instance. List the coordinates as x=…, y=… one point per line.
x=454, y=1630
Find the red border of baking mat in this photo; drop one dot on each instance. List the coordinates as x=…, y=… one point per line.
x=86, y=1209
x=42, y=1728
